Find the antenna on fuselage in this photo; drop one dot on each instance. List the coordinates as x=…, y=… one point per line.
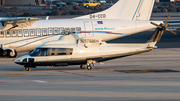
x=47, y=17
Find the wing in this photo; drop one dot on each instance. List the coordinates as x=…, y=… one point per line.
x=9, y=23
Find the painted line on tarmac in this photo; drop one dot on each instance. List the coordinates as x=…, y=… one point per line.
x=12, y=74
x=76, y=74
x=39, y=81
x=147, y=71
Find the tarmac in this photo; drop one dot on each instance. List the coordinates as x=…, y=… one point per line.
x=151, y=76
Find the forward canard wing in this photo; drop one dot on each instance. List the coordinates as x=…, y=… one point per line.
x=9, y=23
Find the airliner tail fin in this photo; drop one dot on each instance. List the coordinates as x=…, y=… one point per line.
x=126, y=10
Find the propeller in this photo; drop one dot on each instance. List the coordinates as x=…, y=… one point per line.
x=164, y=26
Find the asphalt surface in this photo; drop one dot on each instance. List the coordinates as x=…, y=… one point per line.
x=152, y=76
x=168, y=40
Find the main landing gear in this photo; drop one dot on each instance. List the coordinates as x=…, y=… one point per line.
x=88, y=65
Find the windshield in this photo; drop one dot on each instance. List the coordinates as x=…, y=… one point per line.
x=39, y=52
x=51, y=51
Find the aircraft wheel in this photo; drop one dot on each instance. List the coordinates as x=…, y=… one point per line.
x=82, y=66
x=89, y=67
x=10, y=54
x=26, y=69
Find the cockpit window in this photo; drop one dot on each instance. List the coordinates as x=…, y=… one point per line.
x=39, y=52
x=51, y=51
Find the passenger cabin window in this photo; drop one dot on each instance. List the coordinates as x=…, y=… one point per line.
x=78, y=28
x=8, y=34
x=44, y=30
x=62, y=51
x=38, y=32
x=56, y=30
x=72, y=30
x=14, y=34
x=61, y=29
x=32, y=32
x=1, y=34
x=51, y=51
x=19, y=33
x=67, y=29
x=26, y=34
x=50, y=31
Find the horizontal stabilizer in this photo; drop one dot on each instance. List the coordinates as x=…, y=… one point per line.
x=9, y=23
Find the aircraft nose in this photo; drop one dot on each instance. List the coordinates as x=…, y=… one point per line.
x=17, y=60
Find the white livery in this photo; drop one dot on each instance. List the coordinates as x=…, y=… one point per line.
x=124, y=18
x=86, y=51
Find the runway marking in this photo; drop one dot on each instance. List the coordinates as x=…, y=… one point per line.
x=12, y=74
x=76, y=74
x=146, y=71
x=39, y=81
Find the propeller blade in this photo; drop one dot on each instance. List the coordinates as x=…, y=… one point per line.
x=171, y=31
x=167, y=20
x=156, y=25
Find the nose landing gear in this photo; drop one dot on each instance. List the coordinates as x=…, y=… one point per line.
x=26, y=69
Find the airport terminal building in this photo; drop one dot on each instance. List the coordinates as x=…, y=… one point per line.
x=20, y=2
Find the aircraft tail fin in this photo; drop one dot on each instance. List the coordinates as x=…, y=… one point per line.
x=126, y=10
x=158, y=33
x=156, y=36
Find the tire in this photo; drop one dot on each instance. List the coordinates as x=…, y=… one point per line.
x=89, y=67
x=98, y=6
x=26, y=69
x=82, y=66
x=10, y=54
x=87, y=6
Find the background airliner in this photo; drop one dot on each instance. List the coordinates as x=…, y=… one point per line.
x=126, y=17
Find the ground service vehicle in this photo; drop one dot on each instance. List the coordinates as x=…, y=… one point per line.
x=91, y=4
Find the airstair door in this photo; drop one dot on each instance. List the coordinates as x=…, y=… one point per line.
x=88, y=28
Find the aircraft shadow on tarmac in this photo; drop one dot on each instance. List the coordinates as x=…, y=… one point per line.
x=147, y=71
x=167, y=41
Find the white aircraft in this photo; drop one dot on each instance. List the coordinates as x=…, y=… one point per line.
x=87, y=50
x=124, y=18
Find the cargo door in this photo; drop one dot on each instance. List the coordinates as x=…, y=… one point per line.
x=88, y=25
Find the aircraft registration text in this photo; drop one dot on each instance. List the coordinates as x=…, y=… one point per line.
x=97, y=16
x=89, y=40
